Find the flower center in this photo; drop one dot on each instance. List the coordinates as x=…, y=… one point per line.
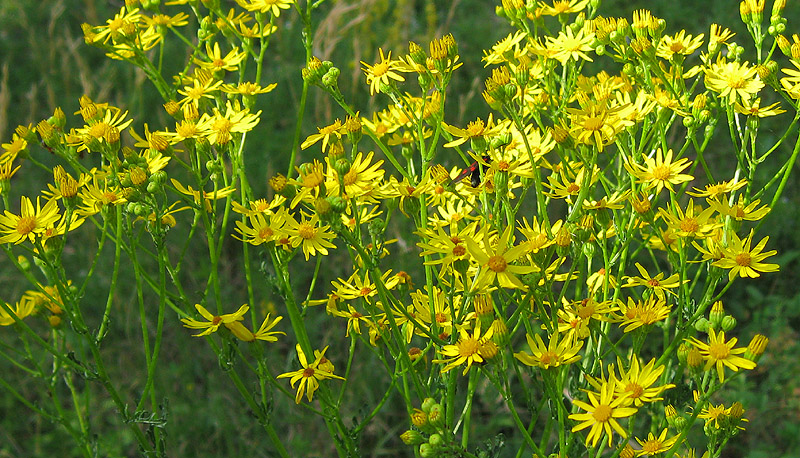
x=468, y=347
x=26, y=225
x=459, y=250
x=634, y=389
x=497, y=263
x=602, y=413
x=689, y=225
x=306, y=231
x=719, y=351
x=308, y=372
x=661, y=173
x=743, y=259
x=548, y=358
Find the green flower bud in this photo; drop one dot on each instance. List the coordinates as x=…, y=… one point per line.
x=436, y=416
x=427, y=403
x=412, y=437
x=728, y=323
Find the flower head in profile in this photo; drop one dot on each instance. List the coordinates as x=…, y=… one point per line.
x=653, y=445
x=559, y=351
x=213, y=322
x=311, y=374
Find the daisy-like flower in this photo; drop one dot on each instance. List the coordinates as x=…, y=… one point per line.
x=467, y=350
x=496, y=261
x=324, y=133
x=562, y=7
x=381, y=72
x=658, y=284
x=265, y=6
x=695, y=222
x=216, y=61
x=308, y=233
x=354, y=319
x=568, y=45
x=597, y=123
x=201, y=197
x=660, y=172
x=264, y=332
x=637, y=383
x=718, y=189
x=97, y=195
x=262, y=228
x=311, y=374
x=721, y=354
x=25, y=307
x=213, y=321
x=201, y=88
x=754, y=108
x=504, y=50
x=680, y=44
x=236, y=120
x=653, y=445
x=744, y=261
x=602, y=412
x=475, y=130
x=557, y=353
x=734, y=81
x=635, y=314
x=362, y=178
x=30, y=223
x=740, y=211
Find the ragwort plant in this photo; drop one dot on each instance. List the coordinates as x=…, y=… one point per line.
x=574, y=267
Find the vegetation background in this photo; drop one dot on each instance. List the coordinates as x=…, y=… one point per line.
x=44, y=63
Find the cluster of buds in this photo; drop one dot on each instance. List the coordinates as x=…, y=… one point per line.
x=717, y=319
x=322, y=74
x=431, y=434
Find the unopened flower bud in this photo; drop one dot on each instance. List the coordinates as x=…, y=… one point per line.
x=728, y=322
x=756, y=348
x=436, y=416
x=412, y=437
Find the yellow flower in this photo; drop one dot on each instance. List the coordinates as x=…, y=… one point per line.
x=597, y=123
x=264, y=332
x=754, y=108
x=634, y=315
x=602, y=412
x=203, y=197
x=262, y=228
x=556, y=353
x=22, y=309
x=263, y=6
x=468, y=349
x=29, y=223
x=313, y=238
x=681, y=44
x=562, y=7
x=739, y=211
x=734, y=81
x=477, y=129
x=660, y=172
x=636, y=385
x=216, y=61
x=311, y=374
x=214, y=321
x=568, y=46
x=658, y=284
x=324, y=133
x=655, y=445
x=694, y=223
x=221, y=126
x=720, y=354
x=717, y=189
x=496, y=262
x=744, y=261
x=381, y=72
x=361, y=178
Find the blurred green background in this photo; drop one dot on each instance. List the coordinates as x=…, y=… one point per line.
x=44, y=64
